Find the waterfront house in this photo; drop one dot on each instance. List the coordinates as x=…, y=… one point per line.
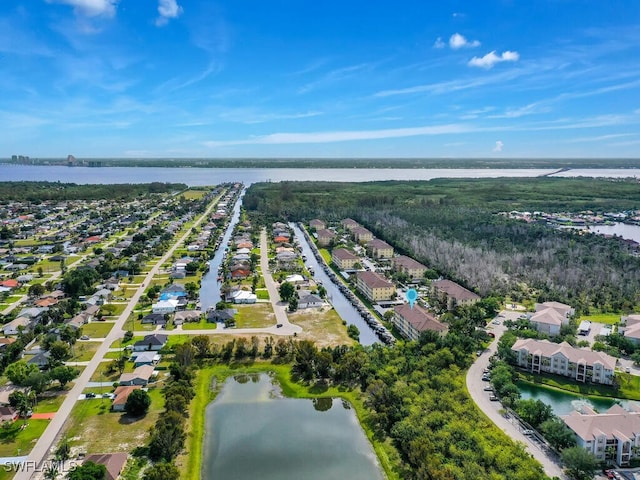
x=375, y=287
x=344, y=259
x=154, y=319
x=611, y=435
x=411, y=322
x=582, y=365
x=165, y=306
x=309, y=300
x=453, y=293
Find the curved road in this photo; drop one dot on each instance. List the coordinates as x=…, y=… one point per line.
x=475, y=385
x=46, y=440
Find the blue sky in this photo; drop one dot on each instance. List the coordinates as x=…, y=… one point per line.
x=200, y=78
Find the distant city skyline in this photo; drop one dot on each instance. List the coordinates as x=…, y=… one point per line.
x=198, y=78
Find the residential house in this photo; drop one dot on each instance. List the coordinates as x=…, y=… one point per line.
x=165, y=306
x=7, y=390
x=174, y=290
x=412, y=321
x=286, y=259
x=16, y=325
x=154, y=319
x=40, y=359
x=309, y=300
x=379, y=249
x=214, y=316
x=325, y=237
x=5, y=342
x=243, y=296
x=344, y=259
x=154, y=341
x=8, y=414
x=349, y=223
x=550, y=316
x=631, y=329
x=146, y=358
x=120, y=396
x=453, y=293
x=114, y=463
x=317, y=224
x=582, y=365
x=140, y=376
x=187, y=316
x=76, y=322
x=408, y=266
x=613, y=434
x=375, y=287
x=362, y=235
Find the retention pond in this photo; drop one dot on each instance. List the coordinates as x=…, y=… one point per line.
x=252, y=432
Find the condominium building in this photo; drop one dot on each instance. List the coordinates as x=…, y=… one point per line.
x=412, y=321
x=344, y=259
x=580, y=364
x=375, y=287
x=379, y=249
x=410, y=267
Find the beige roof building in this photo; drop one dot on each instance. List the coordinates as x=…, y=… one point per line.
x=614, y=434
x=380, y=249
x=344, y=259
x=454, y=293
x=409, y=266
x=362, y=235
x=548, y=320
x=411, y=322
x=583, y=365
x=317, y=224
x=325, y=237
x=375, y=287
x=349, y=223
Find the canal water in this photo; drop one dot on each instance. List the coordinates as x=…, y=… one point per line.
x=337, y=298
x=209, y=286
x=252, y=433
x=628, y=232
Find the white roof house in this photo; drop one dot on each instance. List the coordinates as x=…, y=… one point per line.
x=165, y=306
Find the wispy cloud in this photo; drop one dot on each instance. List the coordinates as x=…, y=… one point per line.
x=342, y=136
x=530, y=109
x=250, y=117
x=600, y=138
x=490, y=59
x=457, y=41
x=334, y=76
x=439, y=43
x=498, y=147
x=91, y=8
x=167, y=10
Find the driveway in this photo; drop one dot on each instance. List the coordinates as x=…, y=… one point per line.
x=475, y=385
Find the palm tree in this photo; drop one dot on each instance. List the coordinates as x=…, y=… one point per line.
x=51, y=472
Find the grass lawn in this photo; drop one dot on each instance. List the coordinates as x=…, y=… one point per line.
x=257, y=315
x=323, y=326
x=608, y=318
x=119, y=342
x=84, y=351
x=201, y=325
x=97, y=329
x=325, y=255
x=93, y=428
x=113, y=309
x=194, y=194
x=50, y=401
x=262, y=293
x=216, y=375
x=20, y=442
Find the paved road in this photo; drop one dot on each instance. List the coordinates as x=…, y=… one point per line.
x=475, y=385
x=46, y=440
x=279, y=308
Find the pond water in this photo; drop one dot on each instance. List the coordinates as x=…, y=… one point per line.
x=626, y=231
x=252, y=433
x=564, y=403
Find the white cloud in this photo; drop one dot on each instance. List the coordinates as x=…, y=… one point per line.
x=91, y=8
x=167, y=9
x=490, y=59
x=498, y=147
x=342, y=136
x=457, y=41
x=439, y=43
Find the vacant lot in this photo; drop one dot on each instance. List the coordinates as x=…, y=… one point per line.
x=94, y=428
x=97, y=329
x=16, y=441
x=323, y=326
x=258, y=315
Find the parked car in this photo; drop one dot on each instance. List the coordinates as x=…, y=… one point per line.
x=527, y=431
x=493, y=398
x=90, y=395
x=84, y=337
x=279, y=325
x=488, y=389
x=485, y=378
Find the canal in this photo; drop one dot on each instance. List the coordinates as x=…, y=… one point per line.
x=209, y=286
x=343, y=306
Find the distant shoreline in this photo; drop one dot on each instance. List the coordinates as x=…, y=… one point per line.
x=344, y=163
